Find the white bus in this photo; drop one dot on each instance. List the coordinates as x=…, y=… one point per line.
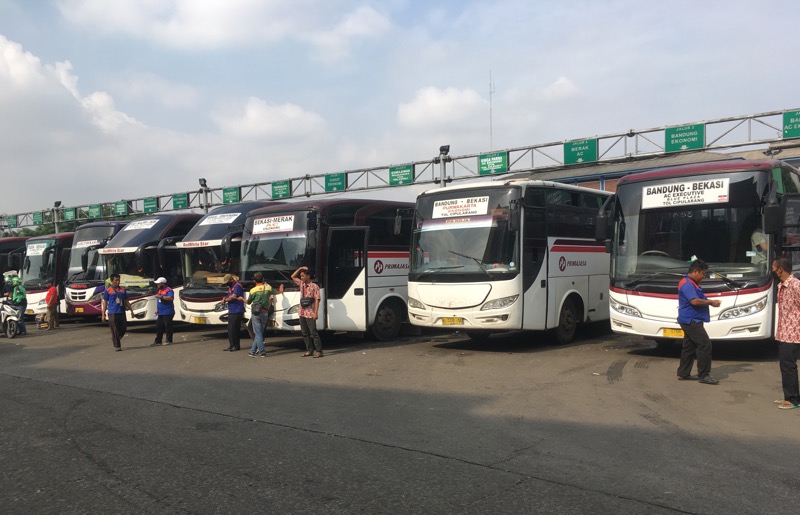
x=508, y=255
x=209, y=251
x=659, y=220
x=358, y=249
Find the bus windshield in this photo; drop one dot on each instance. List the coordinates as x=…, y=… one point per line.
x=130, y=275
x=716, y=218
x=40, y=263
x=465, y=232
x=86, y=237
x=276, y=247
x=203, y=266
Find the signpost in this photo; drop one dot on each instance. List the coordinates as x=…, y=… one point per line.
x=335, y=182
x=180, y=201
x=151, y=204
x=580, y=151
x=281, y=189
x=11, y=222
x=37, y=218
x=95, y=211
x=69, y=214
x=791, y=124
x=685, y=137
x=493, y=163
x=121, y=208
x=399, y=175
x=231, y=195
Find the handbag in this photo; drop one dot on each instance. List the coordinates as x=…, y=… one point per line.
x=306, y=302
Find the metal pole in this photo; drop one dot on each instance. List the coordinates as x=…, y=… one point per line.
x=55, y=219
x=442, y=168
x=205, y=200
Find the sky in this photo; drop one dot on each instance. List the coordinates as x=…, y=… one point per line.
x=103, y=100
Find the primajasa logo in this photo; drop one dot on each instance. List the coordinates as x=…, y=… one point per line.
x=563, y=263
x=379, y=267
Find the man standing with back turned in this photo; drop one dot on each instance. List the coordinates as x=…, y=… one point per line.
x=692, y=314
x=788, y=333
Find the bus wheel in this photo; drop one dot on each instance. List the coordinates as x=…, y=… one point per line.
x=567, y=323
x=387, y=322
x=11, y=328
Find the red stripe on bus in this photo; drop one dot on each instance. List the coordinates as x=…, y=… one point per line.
x=387, y=255
x=623, y=291
x=570, y=248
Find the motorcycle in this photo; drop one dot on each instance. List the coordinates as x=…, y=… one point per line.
x=9, y=319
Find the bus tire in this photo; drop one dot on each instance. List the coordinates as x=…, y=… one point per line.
x=387, y=321
x=12, y=328
x=567, y=323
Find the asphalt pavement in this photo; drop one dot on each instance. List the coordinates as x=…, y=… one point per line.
x=431, y=423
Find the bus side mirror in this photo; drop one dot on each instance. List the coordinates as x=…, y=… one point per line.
x=398, y=223
x=513, y=216
x=601, y=227
x=311, y=221
x=85, y=259
x=773, y=219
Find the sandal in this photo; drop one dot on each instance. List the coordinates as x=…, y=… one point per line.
x=780, y=401
x=306, y=354
x=318, y=354
x=789, y=406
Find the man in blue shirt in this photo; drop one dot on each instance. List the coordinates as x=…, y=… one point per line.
x=235, y=300
x=692, y=314
x=115, y=302
x=165, y=311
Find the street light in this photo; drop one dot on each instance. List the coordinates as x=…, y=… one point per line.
x=441, y=160
x=56, y=205
x=204, y=188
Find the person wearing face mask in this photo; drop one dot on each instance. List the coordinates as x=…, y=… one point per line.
x=235, y=301
x=788, y=332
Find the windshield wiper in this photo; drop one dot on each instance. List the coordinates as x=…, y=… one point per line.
x=479, y=261
x=727, y=280
x=651, y=276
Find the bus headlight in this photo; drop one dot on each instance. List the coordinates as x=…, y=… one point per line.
x=624, y=309
x=184, y=306
x=96, y=297
x=293, y=310
x=745, y=310
x=139, y=304
x=414, y=303
x=220, y=306
x=500, y=303
x=43, y=302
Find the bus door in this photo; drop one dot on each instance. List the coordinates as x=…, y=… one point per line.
x=535, y=282
x=346, y=279
x=790, y=230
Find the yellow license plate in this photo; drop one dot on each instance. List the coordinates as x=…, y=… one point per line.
x=673, y=333
x=78, y=310
x=199, y=320
x=28, y=311
x=452, y=321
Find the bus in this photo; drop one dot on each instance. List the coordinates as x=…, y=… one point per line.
x=509, y=255
x=660, y=220
x=209, y=251
x=46, y=259
x=86, y=273
x=358, y=249
x=143, y=251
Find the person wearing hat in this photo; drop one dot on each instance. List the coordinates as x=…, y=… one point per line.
x=165, y=311
x=235, y=301
x=20, y=300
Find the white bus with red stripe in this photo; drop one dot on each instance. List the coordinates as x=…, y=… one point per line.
x=508, y=255
x=659, y=221
x=356, y=250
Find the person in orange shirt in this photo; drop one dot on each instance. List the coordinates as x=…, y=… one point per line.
x=51, y=299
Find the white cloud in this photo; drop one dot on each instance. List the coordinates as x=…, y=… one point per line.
x=437, y=107
x=18, y=69
x=363, y=23
x=258, y=119
x=561, y=89
x=158, y=90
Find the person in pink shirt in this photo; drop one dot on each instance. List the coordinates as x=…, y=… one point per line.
x=309, y=311
x=788, y=333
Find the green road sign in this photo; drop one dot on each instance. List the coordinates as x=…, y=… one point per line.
x=336, y=182
x=11, y=222
x=69, y=214
x=151, y=204
x=231, y=195
x=281, y=189
x=580, y=151
x=37, y=218
x=121, y=208
x=791, y=124
x=401, y=175
x=490, y=164
x=95, y=211
x=686, y=137
x=180, y=201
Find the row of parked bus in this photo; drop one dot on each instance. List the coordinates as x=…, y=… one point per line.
x=483, y=258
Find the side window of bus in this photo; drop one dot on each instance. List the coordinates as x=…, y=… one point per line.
x=381, y=229
x=791, y=181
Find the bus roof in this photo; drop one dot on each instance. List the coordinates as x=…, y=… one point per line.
x=57, y=236
x=213, y=227
x=102, y=223
x=498, y=183
x=323, y=205
x=729, y=165
x=149, y=228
